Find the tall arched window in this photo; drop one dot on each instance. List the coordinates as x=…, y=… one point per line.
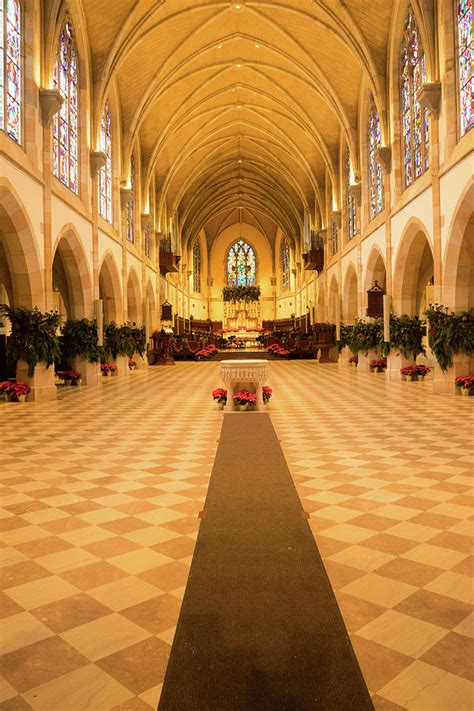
x=65, y=124
x=465, y=75
x=197, y=266
x=375, y=169
x=10, y=68
x=285, y=264
x=351, y=205
x=105, y=175
x=334, y=238
x=241, y=265
x=131, y=204
x=415, y=126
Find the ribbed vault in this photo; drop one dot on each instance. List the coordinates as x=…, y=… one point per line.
x=238, y=107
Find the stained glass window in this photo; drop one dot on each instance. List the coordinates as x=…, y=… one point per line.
x=65, y=123
x=285, y=264
x=131, y=204
x=197, y=266
x=10, y=68
x=415, y=127
x=334, y=237
x=241, y=265
x=105, y=174
x=375, y=169
x=351, y=205
x=465, y=51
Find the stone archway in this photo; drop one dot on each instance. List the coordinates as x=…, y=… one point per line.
x=72, y=286
x=350, y=309
x=110, y=290
x=458, y=282
x=21, y=272
x=134, y=305
x=414, y=271
x=375, y=270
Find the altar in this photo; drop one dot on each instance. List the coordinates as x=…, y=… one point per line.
x=241, y=315
x=244, y=374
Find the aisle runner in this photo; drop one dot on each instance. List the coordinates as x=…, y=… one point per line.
x=259, y=627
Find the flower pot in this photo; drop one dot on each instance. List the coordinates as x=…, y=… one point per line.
x=466, y=392
x=220, y=404
x=244, y=407
x=76, y=382
x=107, y=374
x=16, y=398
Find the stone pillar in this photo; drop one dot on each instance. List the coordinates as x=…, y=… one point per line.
x=396, y=361
x=122, y=366
x=363, y=365
x=142, y=363
x=41, y=383
x=444, y=381
x=344, y=356
x=89, y=371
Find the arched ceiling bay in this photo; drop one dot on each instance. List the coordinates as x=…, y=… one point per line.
x=239, y=106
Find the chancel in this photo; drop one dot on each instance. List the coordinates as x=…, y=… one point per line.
x=236, y=355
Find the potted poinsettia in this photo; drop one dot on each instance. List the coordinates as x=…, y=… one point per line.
x=267, y=392
x=465, y=385
x=72, y=377
x=378, y=365
x=244, y=399
x=353, y=360
x=107, y=369
x=414, y=372
x=219, y=395
x=132, y=364
x=14, y=392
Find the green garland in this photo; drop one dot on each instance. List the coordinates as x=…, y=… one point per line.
x=241, y=293
x=124, y=340
x=34, y=336
x=406, y=336
x=80, y=340
x=450, y=333
x=364, y=336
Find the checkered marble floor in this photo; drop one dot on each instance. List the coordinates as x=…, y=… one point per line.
x=101, y=492
x=385, y=471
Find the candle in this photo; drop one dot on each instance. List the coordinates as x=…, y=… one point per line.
x=386, y=318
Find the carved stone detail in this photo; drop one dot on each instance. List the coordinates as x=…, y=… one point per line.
x=383, y=155
x=355, y=191
x=125, y=197
x=51, y=102
x=98, y=161
x=429, y=95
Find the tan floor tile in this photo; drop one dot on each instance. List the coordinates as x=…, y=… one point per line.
x=466, y=627
x=356, y=612
x=70, y=612
x=152, y=696
x=24, y=572
x=435, y=555
x=375, y=589
x=140, y=666
x=168, y=576
x=453, y=585
x=66, y=560
x=379, y=664
x=455, y=654
x=151, y=535
x=125, y=592
x=104, y=636
x=94, y=574
x=85, y=689
x=40, y=662
x=412, y=637
x=138, y=562
x=408, y=571
x=21, y=630
x=156, y=614
x=347, y=533
x=365, y=559
x=41, y=592
x=437, y=609
x=422, y=686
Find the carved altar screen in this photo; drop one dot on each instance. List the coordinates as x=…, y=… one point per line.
x=241, y=265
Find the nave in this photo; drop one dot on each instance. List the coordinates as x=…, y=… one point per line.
x=101, y=513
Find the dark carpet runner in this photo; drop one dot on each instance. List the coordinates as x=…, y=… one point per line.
x=259, y=627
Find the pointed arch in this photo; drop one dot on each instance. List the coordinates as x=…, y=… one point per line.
x=134, y=300
x=350, y=309
x=70, y=262
x=375, y=269
x=22, y=265
x=105, y=179
x=241, y=264
x=110, y=289
x=458, y=277
x=413, y=269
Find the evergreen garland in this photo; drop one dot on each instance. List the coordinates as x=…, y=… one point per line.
x=241, y=293
x=34, y=336
x=80, y=340
x=449, y=333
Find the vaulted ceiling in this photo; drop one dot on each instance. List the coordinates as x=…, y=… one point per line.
x=239, y=107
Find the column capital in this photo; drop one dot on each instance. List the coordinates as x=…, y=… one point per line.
x=429, y=95
x=98, y=161
x=125, y=197
x=383, y=155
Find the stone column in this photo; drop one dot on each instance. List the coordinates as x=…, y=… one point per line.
x=363, y=365
x=395, y=361
x=122, y=366
x=89, y=371
x=444, y=380
x=41, y=383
